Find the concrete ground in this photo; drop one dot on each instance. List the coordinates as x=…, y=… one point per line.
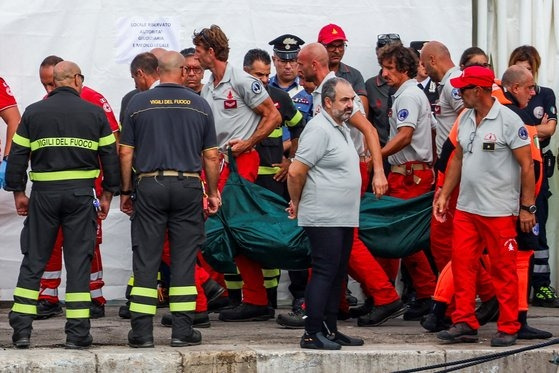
x=264, y=347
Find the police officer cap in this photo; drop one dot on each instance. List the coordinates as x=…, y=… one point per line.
x=287, y=46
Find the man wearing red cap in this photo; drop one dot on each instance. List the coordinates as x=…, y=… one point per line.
x=493, y=164
x=333, y=38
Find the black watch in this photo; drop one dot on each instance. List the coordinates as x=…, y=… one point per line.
x=531, y=209
x=125, y=192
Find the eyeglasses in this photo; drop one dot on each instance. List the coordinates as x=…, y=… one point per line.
x=81, y=77
x=333, y=47
x=206, y=39
x=388, y=37
x=466, y=88
x=471, y=143
x=195, y=70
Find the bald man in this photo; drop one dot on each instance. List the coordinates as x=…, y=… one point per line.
x=168, y=195
x=71, y=140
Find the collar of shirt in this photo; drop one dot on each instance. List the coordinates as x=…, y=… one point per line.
x=154, y=84
x=274, y=83
x=492, y=114
x=343, y=68
x=446, y=76
x=404, y=86
x=379, y=79
x=226, y=76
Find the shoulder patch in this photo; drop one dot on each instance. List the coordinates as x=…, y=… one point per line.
x=538, y=112
x=256, y=87
x=455, y=94
x=523, y=133
x=403, y=114
x=553, y=110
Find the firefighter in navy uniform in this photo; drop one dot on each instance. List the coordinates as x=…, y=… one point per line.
x=169, y=137
x=65, y=137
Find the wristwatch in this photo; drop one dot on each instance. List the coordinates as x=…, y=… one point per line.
x=531, y=209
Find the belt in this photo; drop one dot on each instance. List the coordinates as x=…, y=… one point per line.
x=406, y=169
x=169, y=173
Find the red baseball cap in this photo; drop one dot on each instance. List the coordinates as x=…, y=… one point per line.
x=330, y=33
x=474, y=75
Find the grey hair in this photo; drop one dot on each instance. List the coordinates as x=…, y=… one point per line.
x=329, y=88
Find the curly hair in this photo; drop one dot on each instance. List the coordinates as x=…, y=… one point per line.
x=405, y=58
x=214, y=38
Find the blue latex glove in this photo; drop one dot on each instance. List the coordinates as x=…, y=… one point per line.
x=3, y=172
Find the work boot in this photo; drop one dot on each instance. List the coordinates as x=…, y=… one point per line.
x=545, y=296
x=318, y=341
x=22, y=326
x=488, y=311
x=344, y=340
x=246, y=312
x=218, y=304
x=418, y=308
x=527, y=332
x=434, y=323
x=46, y=309
x=124, y=311
x=78, y=344
x=459, y=332
x=292, y=320
x=351, y=300
x=138, y=342
x=97, y=310
x=362, y=310
x=199, y=320
x=297, y=303
x=381, y=314
x=192, y=340
x=212, y=290
x=502, y=339
x=21, y=340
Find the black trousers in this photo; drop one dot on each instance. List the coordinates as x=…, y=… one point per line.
x=541, y=275
x=330, y=248
x=73, y=210
x=173, y=204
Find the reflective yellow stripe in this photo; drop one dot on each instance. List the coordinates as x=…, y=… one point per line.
x=26, y=293
x=264, y=170
x=73, y=142
x=271, y=283
x=144, y=292
x=182, y=290
x=276, y=133
x=29, y=309
x=270, y=272
x=22, y=141
x=158, y=276
x=131, y=281
x=107, y=140
x=78, y=297
x=182, y=306
x=63, y=175
x=296, y=119
x=82, y=313
x=143, y=308
x=234, y=285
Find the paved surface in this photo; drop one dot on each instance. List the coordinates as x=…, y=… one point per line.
x=263, y=347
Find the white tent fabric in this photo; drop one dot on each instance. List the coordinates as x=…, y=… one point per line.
x=86, y=32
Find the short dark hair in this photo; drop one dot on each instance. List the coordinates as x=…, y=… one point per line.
x=329, y=88
x=404, y=58
x=256, y=55
x=187, y=52
x=214, y=38
x=51, y=61
x=147, y=62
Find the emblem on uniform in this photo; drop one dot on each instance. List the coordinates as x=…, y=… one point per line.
x=538, y=112
x=536, y=229
x=256, y=87
x=403, y=114
x=510, y=244
x=552, y=110
x=389, y=112
x=523, y=133
x=456, y=94
x=107, y=107
x=437, y=110
x=288, y=42
x=490, y=137
x=230, y=102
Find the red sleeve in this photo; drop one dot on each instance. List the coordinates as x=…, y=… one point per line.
x=7, y=99
x=96, y=98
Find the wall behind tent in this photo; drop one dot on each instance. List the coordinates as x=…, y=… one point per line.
x=86, y=32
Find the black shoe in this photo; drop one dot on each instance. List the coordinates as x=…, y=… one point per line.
x=212, y=289
x=344, y=340
x=138, y=343
x=351, y=300
x=199, y=320
x=97, y=310
x=433, y=323
x=417, y=308
x=318, y=341
x=292, y=320
x=545, y=296
x=218, y=304
x=46, y=309
x=381, y=314
x=21, y=340
x=75, y=344
x=124, y=311
x=246, y=312
x=192, y=340
x=502, y=339
x=487, y=311
x=527, y=332
x=460, y=332
x=362, y=310
x=297, y=303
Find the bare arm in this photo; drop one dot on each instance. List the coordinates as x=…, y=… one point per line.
x=296, y=179
x=452, y=178
x=365, y=102
x=523, y=156
x=126, y=154
x=12, y=118
x=210, y=159
x=546, y=128
x=398, y=142
x=270, y=119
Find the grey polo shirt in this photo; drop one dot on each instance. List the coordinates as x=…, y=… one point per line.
x=331, y=194
x=232, y=102
x=490, y=182
x=411, y=108
x=448, y=106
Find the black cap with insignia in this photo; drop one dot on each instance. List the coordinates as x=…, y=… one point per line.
x=287, y=46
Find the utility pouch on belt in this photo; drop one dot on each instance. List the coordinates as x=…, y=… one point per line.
x=549, y=162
